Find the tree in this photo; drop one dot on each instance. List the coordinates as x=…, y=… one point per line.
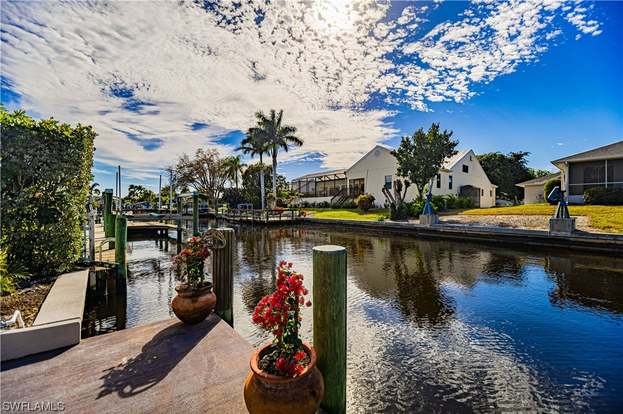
x=254, y=144
x=421, y=156
x=507, y=170
x=206, y=173
x=234, y=167
x=537, y=172
x=277, y=136
x=138, y=194
x=251, y=184
x=165, y=193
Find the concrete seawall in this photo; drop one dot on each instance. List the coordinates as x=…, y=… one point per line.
x=579, y=241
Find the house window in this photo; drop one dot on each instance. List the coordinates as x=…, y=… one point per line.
x=490, y=193
x=438, y=180
x=449, y=182
x=465, y=168
x=470, y=157
x=388, y=182
x=482, y=192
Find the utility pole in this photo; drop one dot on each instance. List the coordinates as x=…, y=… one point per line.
x=171, y=191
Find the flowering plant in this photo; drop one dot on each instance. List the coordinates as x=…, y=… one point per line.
x=279, y=313
x=191, y=260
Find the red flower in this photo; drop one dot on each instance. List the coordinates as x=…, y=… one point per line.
x=300, y=355
x=308, y=304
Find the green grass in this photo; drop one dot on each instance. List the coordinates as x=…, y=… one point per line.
x=607, y=218
x=344, y=214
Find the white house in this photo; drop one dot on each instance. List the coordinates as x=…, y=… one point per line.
x=599, y=167
x=461, y=174
x=534, y=190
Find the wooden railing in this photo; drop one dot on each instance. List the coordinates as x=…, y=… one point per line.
x=262, y=216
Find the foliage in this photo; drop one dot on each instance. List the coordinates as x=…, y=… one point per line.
x=507, y=170
x=537, y=172
x=206, y=173
x=398, y=209
x=271, y=131
x=607, y=218
x=192, y=258
x=365, y=202
x=233, y=196
x=164, y=195
x=549, y=186
x=251, y=185
x=138, y=194
x=441, y=203
x=255, y=144
x=234, y=168
x=279, y=313
x=46, y=171
x=604, y=196
x=421, y=156
x=9, y=276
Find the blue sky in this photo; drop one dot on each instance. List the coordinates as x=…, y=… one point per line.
x=162, y=80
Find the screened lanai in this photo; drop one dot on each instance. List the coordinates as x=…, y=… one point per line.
x=323, y=184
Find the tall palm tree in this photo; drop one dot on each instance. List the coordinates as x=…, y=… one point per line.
x=277, y=136
x=234, y=166
x=254, y=144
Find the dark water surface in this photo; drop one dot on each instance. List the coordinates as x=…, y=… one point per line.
x=433, y=326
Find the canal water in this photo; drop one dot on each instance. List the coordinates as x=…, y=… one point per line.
x=433, y=326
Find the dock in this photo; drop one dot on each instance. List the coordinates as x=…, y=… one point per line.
x=162, y=367
x=265, y=217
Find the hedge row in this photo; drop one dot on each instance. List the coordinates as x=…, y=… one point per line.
x=604, y=196
x=46, y=171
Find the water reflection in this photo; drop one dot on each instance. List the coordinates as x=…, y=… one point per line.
x=434, y=326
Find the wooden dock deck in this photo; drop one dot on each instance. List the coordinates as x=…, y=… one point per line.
x=162, y=367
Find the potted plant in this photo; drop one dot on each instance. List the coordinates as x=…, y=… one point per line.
x=284, y=377
x=194, y=300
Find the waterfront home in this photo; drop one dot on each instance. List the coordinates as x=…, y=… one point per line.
x=460, y=175
x=599, y=167
x=534, y=189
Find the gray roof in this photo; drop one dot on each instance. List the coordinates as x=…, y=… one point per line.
x=614, y=150
x=539, y=180
x=320, y=174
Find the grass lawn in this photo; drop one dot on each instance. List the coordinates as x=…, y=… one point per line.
x=344, y=214
x=607, y=218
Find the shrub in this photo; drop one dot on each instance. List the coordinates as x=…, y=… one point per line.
x=549, y=186
x=365, y=201
x=349, y=204
x=46, y=170
x=604, y=196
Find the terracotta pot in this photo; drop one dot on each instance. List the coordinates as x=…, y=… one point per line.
x=192, y=306
x=271, y=394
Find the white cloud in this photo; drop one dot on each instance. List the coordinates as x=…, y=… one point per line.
x=174, y=64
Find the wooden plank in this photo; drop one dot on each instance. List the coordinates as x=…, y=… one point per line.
x=162, y=367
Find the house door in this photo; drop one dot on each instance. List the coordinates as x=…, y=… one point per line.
x=471, y=192
x=355, y=187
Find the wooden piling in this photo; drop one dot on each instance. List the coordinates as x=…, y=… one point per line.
x=223, y=276
x=329, y=305
x=121, y=241
x=179, y=225
x=195, y=214
x=109, y=218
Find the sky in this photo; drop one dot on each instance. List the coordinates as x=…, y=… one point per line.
x=159, y=79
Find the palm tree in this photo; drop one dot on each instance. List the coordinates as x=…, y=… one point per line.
x=254, y=144
x=234, y=166
x=277, y=136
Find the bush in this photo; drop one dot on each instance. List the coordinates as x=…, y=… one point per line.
x=365, y=201
x=549, y=186
x=46, y=170
x=349, y=204
x=440, y=203
x=604, y=196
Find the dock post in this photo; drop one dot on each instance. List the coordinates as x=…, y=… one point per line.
x=178, y=239
x=109, y=218
x=223, y=276
x=121, y=241
x=195, y=213
x=329, y=305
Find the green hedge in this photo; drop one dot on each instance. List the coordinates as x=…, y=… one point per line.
x=604, y=196
x=46, y=171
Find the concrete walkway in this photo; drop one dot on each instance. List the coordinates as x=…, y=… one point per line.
x=163, y=367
